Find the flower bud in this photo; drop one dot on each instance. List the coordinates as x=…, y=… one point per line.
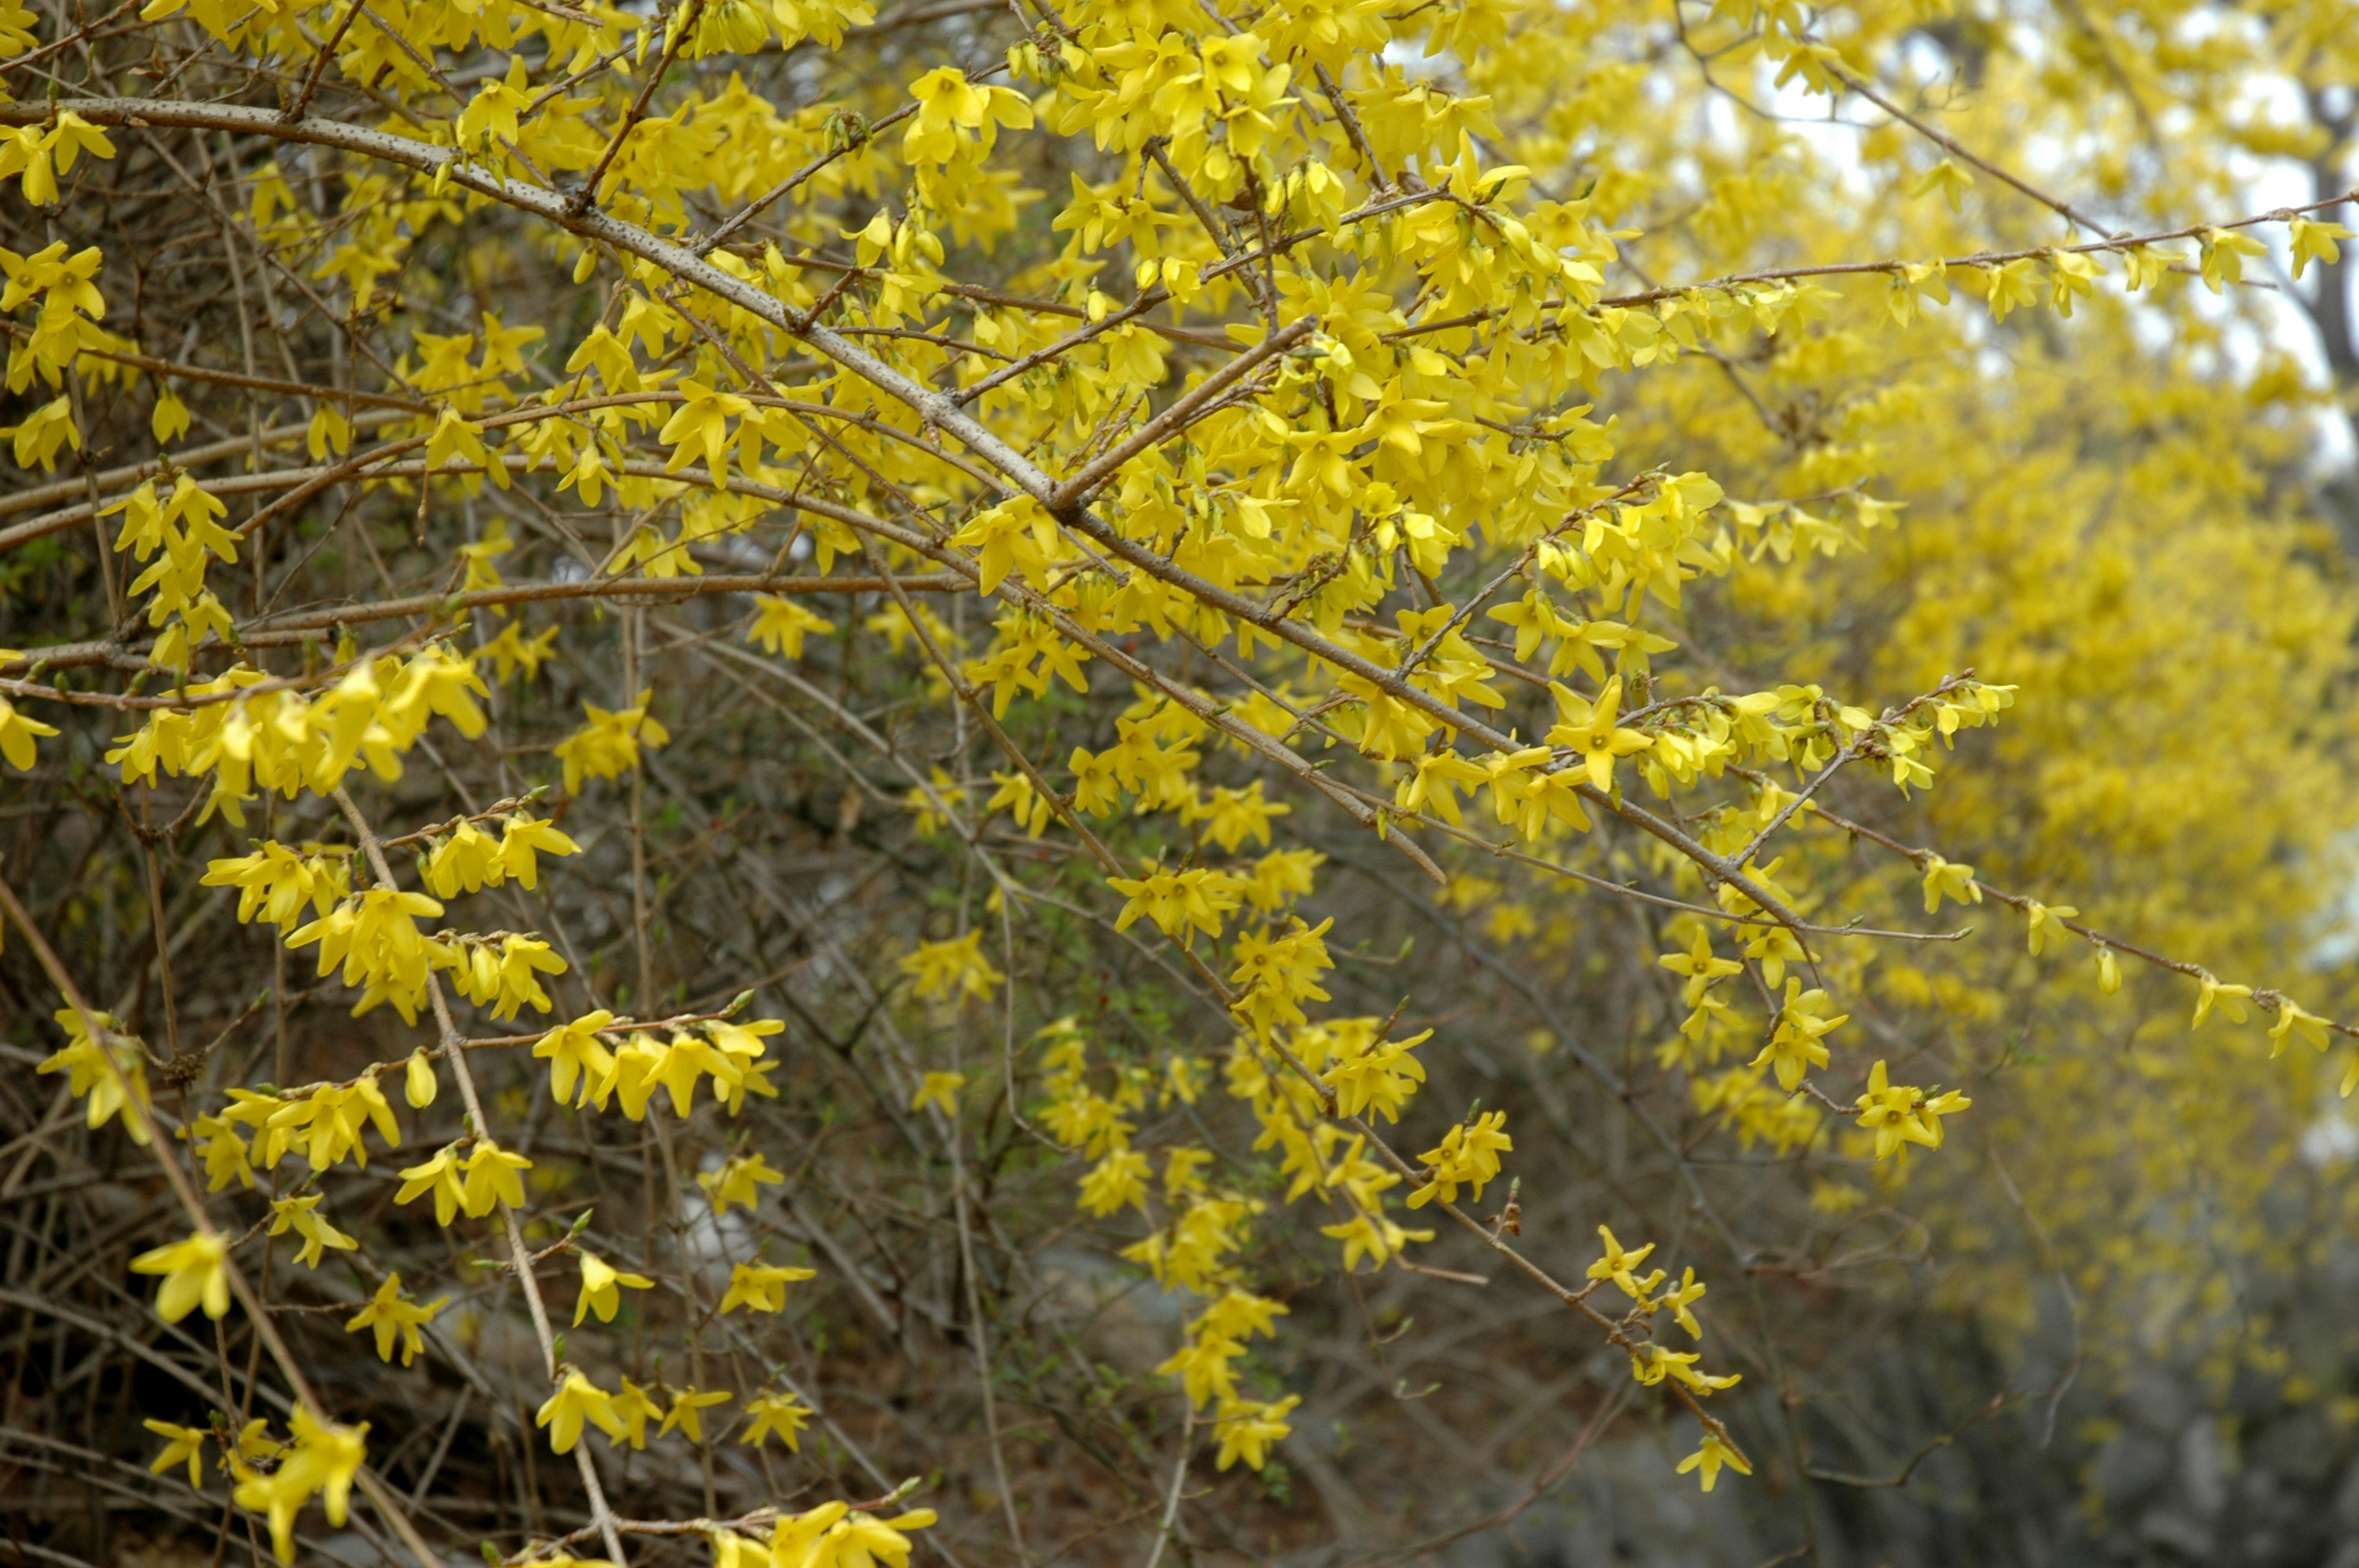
x=420, y=1081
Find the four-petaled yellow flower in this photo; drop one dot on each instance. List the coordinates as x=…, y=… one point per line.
x=601, y=1293
x=111, y=1074
x=1466, y=1154
x=762, y=1286
x=17, y=732
x=1621, y=1266
x=492, y=1178
x=574, y=1052
x=2228, y=998
x=938, y=1089
x=832, y=1536
x=699, y=428
x=739, y=1181
x=609, y=744
x=578, y=1400
x=952, y=969
x=1899, y=1114
x=633, y=1410
x=194, y=1274
x=1660, y=1362
x=440, y=1177
x=1955, y=881
x=781, y=1413
x=1795, y=1045
x=2043, y=917
x=1369, y=1073
x=780, y=625
x=1590, y=728
x=297, y=1214
x=686, y=1406
x=2292, y=1016
x=183, y=1442
x=1690, y=1291
x=1247, y=1429
x=1177, y=902
x=1699, y=967
x=1716, y=1451
x=320, y=1462
x=1377, y=1239
x=395, y=1316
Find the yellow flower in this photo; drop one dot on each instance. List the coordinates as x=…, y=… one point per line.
x=1679, y=1366
x=393, y=1316
x=830, y=1536
x=2228, y=998
x=796, y=1543
x=762, y=1286
x=1232, y=816
x=1899, y=1114
x=2292, y=1016
x=255, y=1442
x=526, y=838
x=100, y=1072
x=1795, y=1045
x=276, y=882
x=297, y=1214
x=183, y=1443
x=2043, y=917
x=2315, y=241
x=1690, y=1290
x=573, y=1051
x=1177, y=902
x=1621, y=1266
x=955, y=968
x=1369, y=1073
x=633, y=1410
x=440, y=1177
x=577, y=1399
x=320, y=1462
x=780, y=625
x=609, y=744
x=16, y=736
x=600, y=1292
x=1699, y=966
x=194, y=1273
x=1945, y=879
x=1465, y=1154
x=781, y=1413
x=739, y=1181
x=491, y=1179
x=223, y=1150
x=699, y=428
x=941, y=1089
x=463, y=863
x=684, y=1413
x=1247, y=1428
x=1205, y=1366
x=1240, y=1315
x=1115, y=1182
x=1376, y=1239
x=1715, y=1453
x=1589, y=728
x=504, y=978
x=512, y=651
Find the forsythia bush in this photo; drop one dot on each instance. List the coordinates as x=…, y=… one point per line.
x=1068, y=746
